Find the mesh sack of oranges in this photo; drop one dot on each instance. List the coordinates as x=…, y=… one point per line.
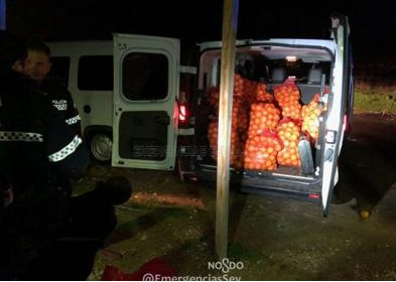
x=310, y=115
x=245, y=90
x=289, y=132
x=240, y=114
x=214, y=97
x=288, y=97
x=263, y=116
x=239, y=88
x=240, y=92
x=261, y=151
x=213, y=135
x=250, y=89
x=262, y=95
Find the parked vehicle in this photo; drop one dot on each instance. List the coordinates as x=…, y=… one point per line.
x=86, y=68
x=152, y=118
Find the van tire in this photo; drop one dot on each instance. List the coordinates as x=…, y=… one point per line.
x=100, y=147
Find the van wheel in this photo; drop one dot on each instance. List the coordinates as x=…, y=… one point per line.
x=100, y=146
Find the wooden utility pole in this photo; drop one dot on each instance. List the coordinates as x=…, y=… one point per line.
x=230, y=23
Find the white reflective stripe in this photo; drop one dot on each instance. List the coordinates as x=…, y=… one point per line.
x=61, y=107
x=73, y=120
x=20, y=136
x=66, y=151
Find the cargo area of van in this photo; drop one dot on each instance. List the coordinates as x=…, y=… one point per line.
x=280, y=100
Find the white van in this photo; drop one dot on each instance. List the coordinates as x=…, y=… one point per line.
x=86, y=69
x=159, y=119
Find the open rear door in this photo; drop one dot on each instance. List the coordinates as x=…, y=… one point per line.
x=337, y=103
x=146, y=84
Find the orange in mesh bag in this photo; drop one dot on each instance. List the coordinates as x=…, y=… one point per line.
x=261, y=151
x=240, y=92
x=214, y=98
x=250, y=89
x=213, y=135
x=263, y=116
x=240, y=115
x=310, y=114
x=289, y=132
x=238, y=85
x=288, y=97
x=262, y=95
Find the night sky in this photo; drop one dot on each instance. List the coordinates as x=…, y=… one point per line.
x=373, y=23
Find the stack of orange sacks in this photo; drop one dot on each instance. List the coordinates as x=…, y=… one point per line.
x=263, y=144
x=213, y=135
x=260, y=141
x=240, y=120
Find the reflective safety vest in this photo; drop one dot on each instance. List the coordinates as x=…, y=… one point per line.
x=63, y=102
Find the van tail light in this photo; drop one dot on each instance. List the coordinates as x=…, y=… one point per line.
x=314, y=196
x=183, y=113
x=183, y=110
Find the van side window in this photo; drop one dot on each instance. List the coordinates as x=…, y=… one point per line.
x=60, y=70
x=145, y=76
x=95, y=73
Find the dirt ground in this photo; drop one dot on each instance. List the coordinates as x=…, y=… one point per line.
x=275, y=238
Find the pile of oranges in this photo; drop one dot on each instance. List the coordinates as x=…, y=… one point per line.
x=266, y=128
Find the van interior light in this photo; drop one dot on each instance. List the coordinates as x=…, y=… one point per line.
x=291, y=59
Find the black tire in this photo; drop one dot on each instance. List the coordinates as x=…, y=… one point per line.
x=100, y=147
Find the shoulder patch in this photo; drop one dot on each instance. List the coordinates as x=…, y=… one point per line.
x=60, y=105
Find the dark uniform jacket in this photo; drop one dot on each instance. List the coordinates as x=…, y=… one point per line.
x=62, y=100
x=39, y=154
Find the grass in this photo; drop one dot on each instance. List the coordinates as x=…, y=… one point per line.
x=374, y=102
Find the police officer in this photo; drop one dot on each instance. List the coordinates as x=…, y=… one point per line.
x=37, y=66
x=39, y=156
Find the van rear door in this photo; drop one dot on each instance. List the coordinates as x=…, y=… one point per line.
x=337, y=104
x=146, y=85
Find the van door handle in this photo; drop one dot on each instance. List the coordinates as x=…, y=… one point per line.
x=164, y=120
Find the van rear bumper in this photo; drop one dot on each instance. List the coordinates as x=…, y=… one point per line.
x=259, y=182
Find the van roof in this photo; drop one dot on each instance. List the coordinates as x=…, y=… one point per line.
x=86, y=47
